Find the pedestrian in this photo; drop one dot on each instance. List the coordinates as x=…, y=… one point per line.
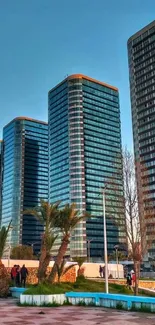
x=101, y=271
x=24, y=273
x=13, y=274
x=18, y=276
x=129, y=281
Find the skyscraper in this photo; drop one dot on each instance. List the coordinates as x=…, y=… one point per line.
x=0, y=180
x=85, y=152
x=141, y=56
x=25, y=178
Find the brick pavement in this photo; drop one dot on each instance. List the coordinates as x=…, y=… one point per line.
x=11, y=314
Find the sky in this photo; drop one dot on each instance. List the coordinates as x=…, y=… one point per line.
x=42, y=41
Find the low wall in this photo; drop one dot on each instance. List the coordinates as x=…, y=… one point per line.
x=69, y=276
x=91, y=270
x=148, y=284
x=41, y=300
x=112, y=300
x=93, y=299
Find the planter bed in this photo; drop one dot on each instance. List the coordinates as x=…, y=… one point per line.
x=39, y=300
x=16, y=292
x=126, y=302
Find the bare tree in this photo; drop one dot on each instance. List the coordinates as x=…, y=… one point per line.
x=134, y=225
x=133, y=230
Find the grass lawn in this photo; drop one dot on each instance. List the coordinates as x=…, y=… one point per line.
x=81, y=285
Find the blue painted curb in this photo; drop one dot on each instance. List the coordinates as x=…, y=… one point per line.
x=16, y=291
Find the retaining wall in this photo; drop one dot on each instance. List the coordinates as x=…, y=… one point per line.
x=69, y=276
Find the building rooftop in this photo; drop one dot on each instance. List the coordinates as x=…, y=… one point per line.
x=19, y=118
x=141, y=31
x=81, y=76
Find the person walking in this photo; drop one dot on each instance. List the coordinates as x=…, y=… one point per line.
x=18, y=277
x=129, y=281
x=14, y=274
x=100, y=271
x=24, y=273
x=103, y=272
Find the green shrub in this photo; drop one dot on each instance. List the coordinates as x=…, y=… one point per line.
x=92, y=304
x=4, y=281
x=81, y=285
x=67, y=303
x=81, y=303
x=143, y=308
x=81, y=278
x=119, y=305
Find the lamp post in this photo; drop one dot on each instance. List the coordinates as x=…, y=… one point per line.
x=116, y=250
x=32, y=245
x=105, y=243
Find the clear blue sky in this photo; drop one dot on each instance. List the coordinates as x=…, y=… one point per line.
x=41, y=41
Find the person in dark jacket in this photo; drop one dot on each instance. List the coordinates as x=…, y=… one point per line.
x=18, y=277
x=129, y=281
x=24, y=273
x=13, y=274
x=101, y=271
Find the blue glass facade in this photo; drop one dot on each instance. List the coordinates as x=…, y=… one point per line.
x=1, y=153
x=85, y=152
x=25, y=177
x=141, y=59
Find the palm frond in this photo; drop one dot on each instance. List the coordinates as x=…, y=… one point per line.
x=69, y=217
x=62, y=270
x=50, y=239
x=80, y=260
x=67, y=268
x=45, y=212
x=3, y=237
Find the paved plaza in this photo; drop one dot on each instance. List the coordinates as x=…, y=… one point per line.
x=11, y=314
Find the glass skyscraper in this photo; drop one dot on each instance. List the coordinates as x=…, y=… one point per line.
x=85, y=154
x=25, y=178
x=1, y=147
x=141, y=55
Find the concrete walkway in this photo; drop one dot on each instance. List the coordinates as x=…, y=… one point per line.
x=11, y=314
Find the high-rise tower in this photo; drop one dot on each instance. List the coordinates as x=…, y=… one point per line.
x=141, y=55
x=24, y=178
x=1, y=166
x=85, y=152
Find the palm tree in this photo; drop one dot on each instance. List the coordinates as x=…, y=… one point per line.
x=47, y=214
x=121, y=256
x=63, y=269
x=4, y=279
x=80, y=260
x=3, y=236
x=68, y=219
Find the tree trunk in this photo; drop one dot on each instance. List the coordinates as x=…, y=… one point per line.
x=137, y=269
x=41, y=264
x=59, y=259
x=43, y=261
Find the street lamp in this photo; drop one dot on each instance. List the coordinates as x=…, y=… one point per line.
x=105, y=243
x=32, y=245
x=116, y=250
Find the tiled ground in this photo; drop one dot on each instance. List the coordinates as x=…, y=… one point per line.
x=11, y=314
